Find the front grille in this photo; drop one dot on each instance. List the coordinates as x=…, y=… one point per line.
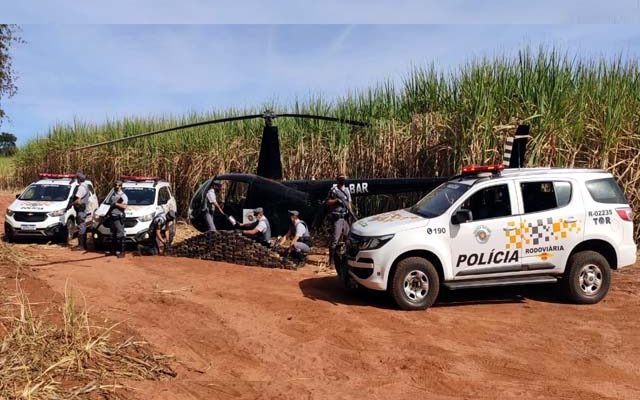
x=362, y=273
x=128, y=222
x=30, y=216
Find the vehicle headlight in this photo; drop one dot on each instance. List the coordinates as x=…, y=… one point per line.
x=375, y=242
x=146, y=218
x=9, y=212
x=58, y=213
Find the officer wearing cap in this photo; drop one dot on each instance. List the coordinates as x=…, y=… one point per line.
x=299, y=236
x=162, y=232
x=339, y=203
x=261, y=232
x=80, y=201
x=116, y=215
x=212, y=204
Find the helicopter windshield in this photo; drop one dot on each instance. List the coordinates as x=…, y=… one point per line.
x=439, y=199
x=236, y=193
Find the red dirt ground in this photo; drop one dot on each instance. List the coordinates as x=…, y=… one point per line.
x=242, y=332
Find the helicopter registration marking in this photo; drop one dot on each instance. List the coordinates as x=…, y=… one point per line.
x=357, y=187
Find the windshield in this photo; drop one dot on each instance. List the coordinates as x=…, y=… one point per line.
x=137, y=196
x=40, y=192
x=439, y=199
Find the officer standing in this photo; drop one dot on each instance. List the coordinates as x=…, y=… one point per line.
x=116, y=213
x=80, y=201
x=299, y=236
x=261, y=232
x=339, y=203
x=212, y=204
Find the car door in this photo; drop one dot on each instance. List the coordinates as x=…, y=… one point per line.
x=552, y=222
x=489, y=242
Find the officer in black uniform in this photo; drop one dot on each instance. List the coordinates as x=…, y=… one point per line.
x=116, y=215
x=80, y=202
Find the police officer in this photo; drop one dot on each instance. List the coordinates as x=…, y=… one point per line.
x=119, y=202
x=80, y=201
x=339, y=203
x=299, y=236
x=261, y=231
x=212, y=204
x=162, y=231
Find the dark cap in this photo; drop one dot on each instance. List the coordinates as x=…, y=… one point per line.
x=80, y=177
x=258, y=210
x=171, y=215
x=118, y=183
x=217, y=183
x=341, y=177
x=294, y=212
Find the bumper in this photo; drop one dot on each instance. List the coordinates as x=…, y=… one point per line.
x=627, y=255
x=366, y=271
x=139, y=237
x=47, y=228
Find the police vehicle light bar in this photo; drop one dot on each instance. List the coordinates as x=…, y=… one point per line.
x=475, y=169
x=140, y=178
x=56, y=176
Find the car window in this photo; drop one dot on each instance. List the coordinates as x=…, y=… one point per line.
x=491, y=202
x=46, y=192
x=439, y=199
x=137, y=196
x=163, y=196
x=606, y=191
x=545, y=195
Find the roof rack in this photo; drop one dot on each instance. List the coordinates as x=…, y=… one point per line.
x=135, y=178
x=45, y=175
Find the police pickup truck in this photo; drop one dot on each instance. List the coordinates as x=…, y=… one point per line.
x=494, y=227
x=42, y=209
x=148, y=196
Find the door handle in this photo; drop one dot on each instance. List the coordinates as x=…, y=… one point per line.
x=509, y=229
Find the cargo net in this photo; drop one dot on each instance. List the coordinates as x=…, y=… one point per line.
x=232, y=247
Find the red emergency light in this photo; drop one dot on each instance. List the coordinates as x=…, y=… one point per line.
x=134, y=178
x=56, y=176
x=476, y=169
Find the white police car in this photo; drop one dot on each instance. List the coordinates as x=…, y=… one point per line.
x=494, y=227
x=41, y=210
x=147, y=196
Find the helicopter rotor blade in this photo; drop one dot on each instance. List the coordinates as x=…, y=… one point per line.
x=175, y=128
x=323, y=118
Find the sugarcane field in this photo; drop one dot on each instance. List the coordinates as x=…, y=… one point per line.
x=319, y=201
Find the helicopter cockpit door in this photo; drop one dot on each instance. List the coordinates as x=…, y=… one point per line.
x=236, y=198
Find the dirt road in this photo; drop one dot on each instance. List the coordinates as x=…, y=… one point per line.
x=242, y=332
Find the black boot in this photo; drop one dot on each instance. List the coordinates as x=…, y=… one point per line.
x=121, y=246
x=331, y=256
x=81, y=243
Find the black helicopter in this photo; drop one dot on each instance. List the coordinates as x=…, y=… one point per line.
x=243, y=191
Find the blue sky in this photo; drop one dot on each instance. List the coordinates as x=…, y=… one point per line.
x=98, y=70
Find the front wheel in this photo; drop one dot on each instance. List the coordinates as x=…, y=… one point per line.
x=587, y=278
x=415, y=284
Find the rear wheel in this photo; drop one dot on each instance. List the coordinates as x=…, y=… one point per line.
x=415, y=284
x=587, y=278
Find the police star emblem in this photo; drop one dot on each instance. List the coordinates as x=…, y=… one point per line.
x=482, y=234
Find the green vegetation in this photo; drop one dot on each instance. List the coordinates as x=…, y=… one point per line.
x=7, y=173
x=583, y=113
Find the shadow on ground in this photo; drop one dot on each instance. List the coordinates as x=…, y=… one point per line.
x=331, y=290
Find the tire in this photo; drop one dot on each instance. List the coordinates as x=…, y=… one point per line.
x=66, y=234
x=410, y=273
x=587, y=278
x=8, y=235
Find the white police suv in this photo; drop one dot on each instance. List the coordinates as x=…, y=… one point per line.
x=148, y=196
x=42, y=209
x=494, y=227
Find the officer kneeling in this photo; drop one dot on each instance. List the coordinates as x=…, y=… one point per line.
x=260, y=231
x=161, y=234
x=299, y=236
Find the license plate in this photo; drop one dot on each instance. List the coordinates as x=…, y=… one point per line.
x=28, y=227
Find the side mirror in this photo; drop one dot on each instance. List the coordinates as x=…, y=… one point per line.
x=461, y=216
x=17, y=195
